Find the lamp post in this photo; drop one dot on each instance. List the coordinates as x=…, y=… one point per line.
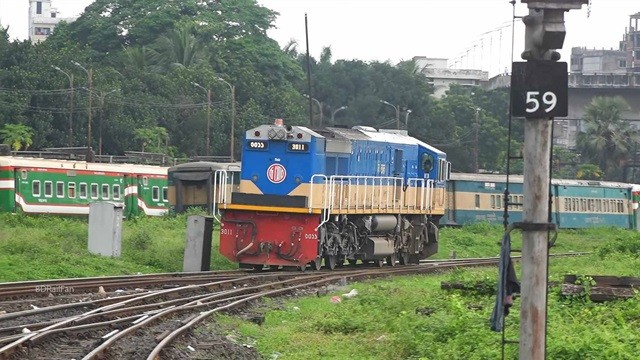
x=70, y=76
x=397, y=112
x=208, y=92
x=102, y=96
x=319, y=106
x=90, y=81
x=233, y=116
x=476, y=141
x=406, y=119
x=333, y=114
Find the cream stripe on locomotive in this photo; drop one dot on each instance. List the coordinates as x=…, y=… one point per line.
x=353, y=196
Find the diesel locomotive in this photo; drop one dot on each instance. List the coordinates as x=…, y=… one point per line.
x=308, y=197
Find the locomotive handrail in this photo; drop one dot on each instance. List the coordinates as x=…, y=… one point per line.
x=219, y=192
x=426, y=191
x=325, y=198
x=362, y=193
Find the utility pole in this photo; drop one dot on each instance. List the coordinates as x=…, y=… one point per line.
x=90, y=82
x=208, y=139
x=70, y=77
x=539, y=92
x=233, y=116
x=476, y=147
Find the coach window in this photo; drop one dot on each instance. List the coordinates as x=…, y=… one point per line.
x=165, y=194
x=94, y=191
x=116, y=192
x=155, y=193
x=493, y=201
x=477, y=201
x=83, y=191
x=59, y=189
x=71, y=190
x=48, y=189
x=105, y=192
x=35, y=188
x=620, y=206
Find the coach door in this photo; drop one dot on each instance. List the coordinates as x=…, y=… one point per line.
x=21, y=186
x=130, y=195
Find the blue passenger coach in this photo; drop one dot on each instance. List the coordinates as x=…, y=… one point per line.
x=575, y=203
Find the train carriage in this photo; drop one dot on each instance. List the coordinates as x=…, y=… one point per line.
x=201, y=184
x=66, y=187
x=333, y=194
x=575, y=203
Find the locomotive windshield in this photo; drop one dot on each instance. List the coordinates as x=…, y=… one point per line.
x=427, y=162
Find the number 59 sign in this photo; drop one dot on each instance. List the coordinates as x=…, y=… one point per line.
x=539, y=89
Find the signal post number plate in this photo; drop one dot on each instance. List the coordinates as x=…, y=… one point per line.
x=539, y=89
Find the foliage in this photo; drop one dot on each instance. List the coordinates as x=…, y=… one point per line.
x=17, y=136
x=608, y=139
x=589, y=172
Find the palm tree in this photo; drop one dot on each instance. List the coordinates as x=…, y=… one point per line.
x=178, y=48
x=17, y=135
x=608, y=139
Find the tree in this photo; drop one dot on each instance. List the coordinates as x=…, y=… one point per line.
x=153, y=140
x=17, y=136
x=608, y=139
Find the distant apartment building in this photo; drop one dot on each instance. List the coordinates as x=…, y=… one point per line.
x=43, y=19
x=441, y=76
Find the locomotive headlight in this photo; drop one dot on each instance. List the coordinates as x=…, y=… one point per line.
x=298, y=179
x=254, y=178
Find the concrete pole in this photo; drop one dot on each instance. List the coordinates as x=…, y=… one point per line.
x=533, y=312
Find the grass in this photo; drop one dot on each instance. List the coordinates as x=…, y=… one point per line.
x=45, y=247
x=400, y=318
x=412, y=318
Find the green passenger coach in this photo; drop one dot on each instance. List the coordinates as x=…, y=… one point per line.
x=67, y=187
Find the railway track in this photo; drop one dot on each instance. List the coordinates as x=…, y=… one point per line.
x=148, y=322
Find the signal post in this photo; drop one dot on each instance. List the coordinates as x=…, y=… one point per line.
x=539, y=90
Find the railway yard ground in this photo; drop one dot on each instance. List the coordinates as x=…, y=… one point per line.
x=293, y=315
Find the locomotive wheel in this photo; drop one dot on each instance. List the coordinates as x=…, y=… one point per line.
x=404, y=258
x=391, y=259
x=316, y=264
x=302, y=268
x=330, y=262
x=379, y=262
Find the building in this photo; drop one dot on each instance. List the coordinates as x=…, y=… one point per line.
x=597, y=72
x=43, y=19
x=441, y=76
x=631, y=44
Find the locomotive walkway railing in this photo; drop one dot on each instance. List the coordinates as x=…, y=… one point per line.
x=221, y=192
x=363, y=194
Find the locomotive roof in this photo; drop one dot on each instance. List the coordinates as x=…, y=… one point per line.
x=519, y=179
x=15, y=161
x=389, y=136
x=206, y=166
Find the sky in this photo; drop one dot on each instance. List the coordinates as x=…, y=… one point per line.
x=472, y=34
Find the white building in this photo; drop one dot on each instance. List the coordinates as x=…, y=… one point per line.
x=441, y=76
x=43, y=19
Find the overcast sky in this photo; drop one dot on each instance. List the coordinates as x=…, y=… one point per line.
x=470, y=33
